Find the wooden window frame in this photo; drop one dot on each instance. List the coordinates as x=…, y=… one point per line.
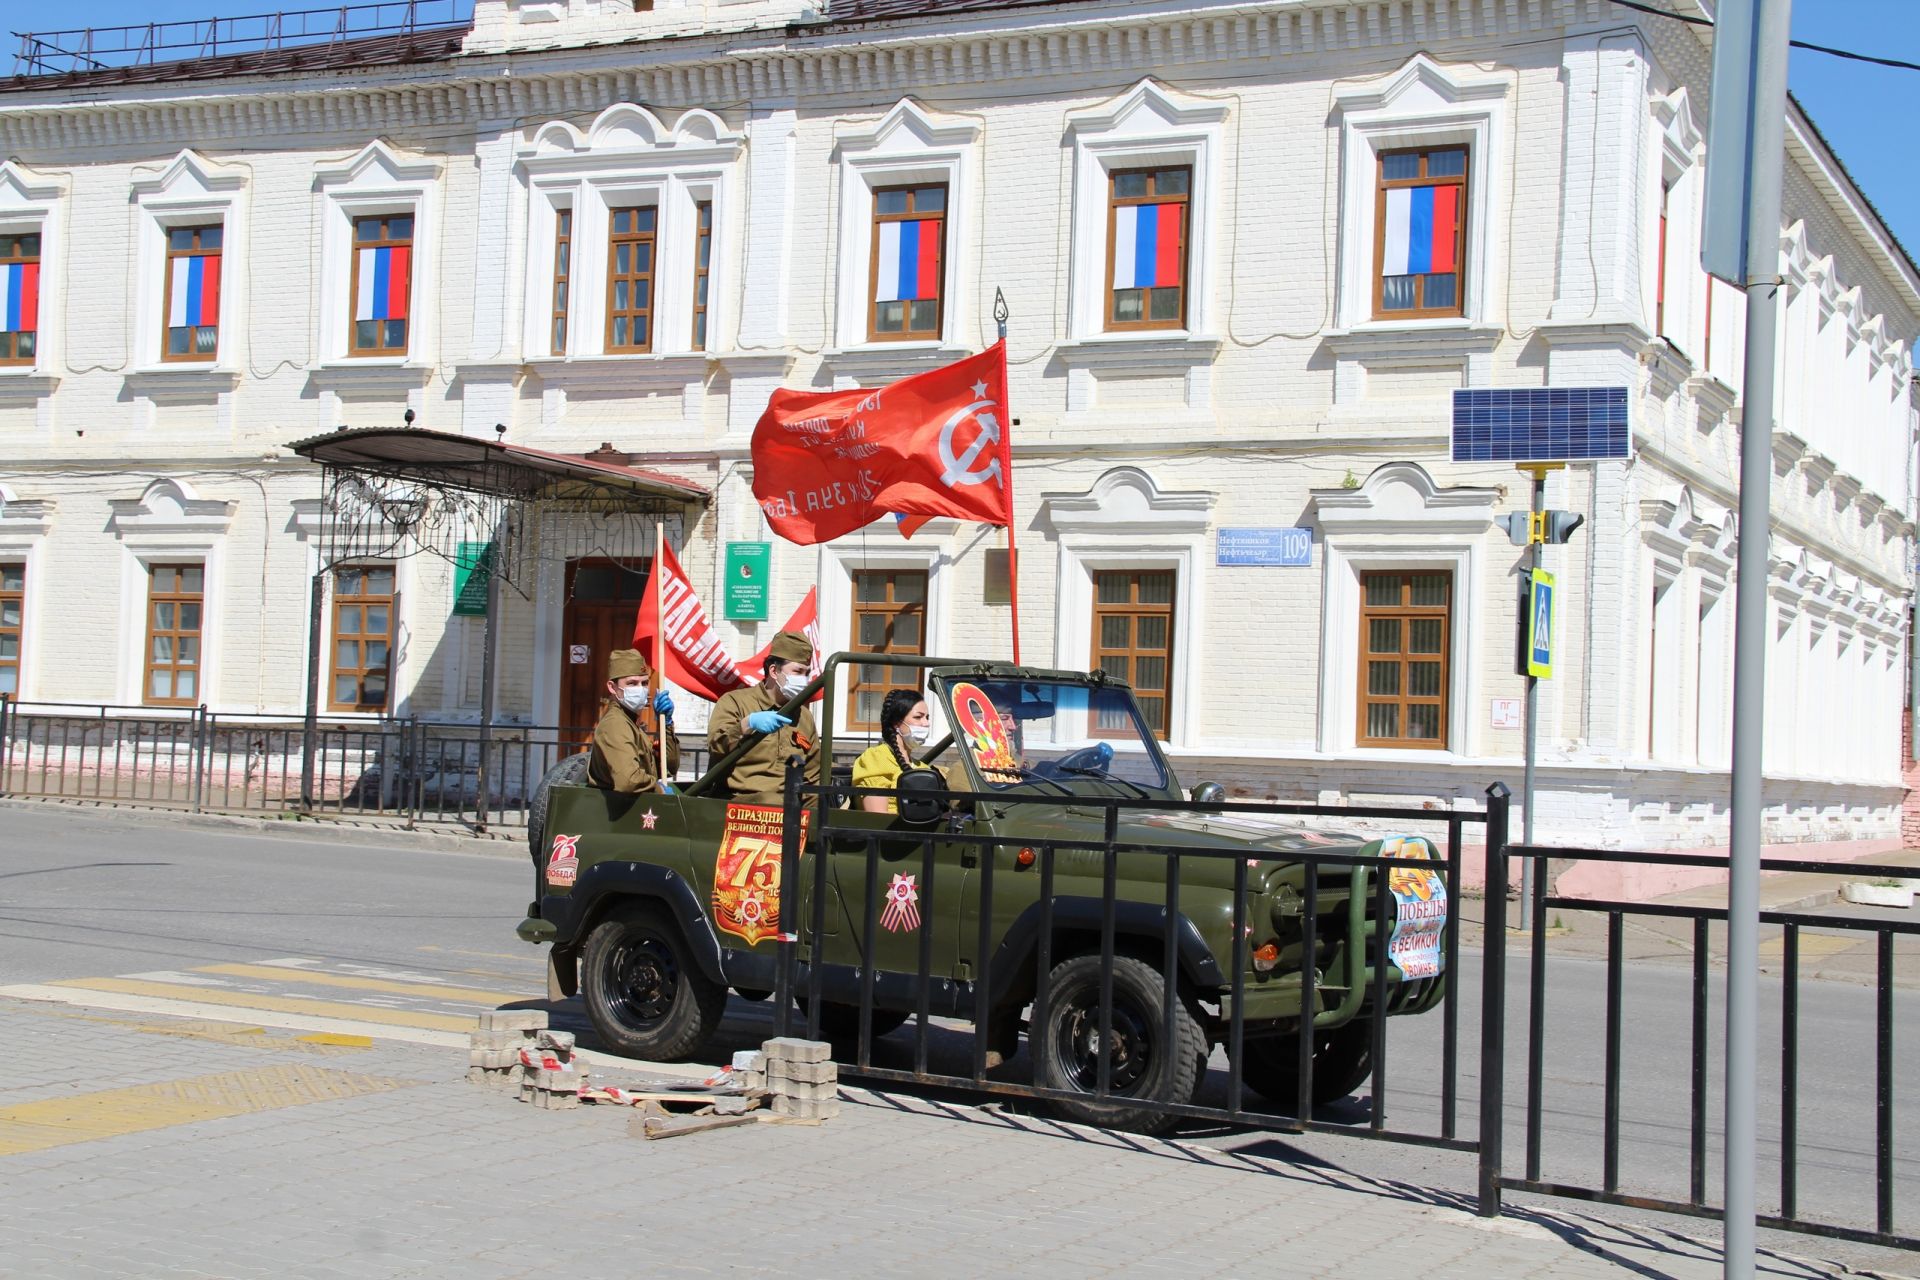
x=363, y=600
x=1405, y=611
x=559, y=328
x=891, y=609
x=1117, y=202
x=1135, y=609
x=10, y=340
x=178, y=597
x=18, y=662
x=1660, y=266
x=191, y=356
x=386, y=241
x=702, y=271
x=1382, y=184
x=615, y=239
x=910, y=214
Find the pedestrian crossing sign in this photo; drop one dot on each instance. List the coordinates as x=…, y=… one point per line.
x=1540, y=605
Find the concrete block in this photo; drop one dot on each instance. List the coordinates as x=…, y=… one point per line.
x=803, y=1072
x=750, y=1060
x=513, y=1020
x=751, y=1081
x=805, y=1110
x=498, y=1039
x=805, y=1092
x=559, y=1041
x=553, y=1081
x=725, y=1106
x=794, y=1049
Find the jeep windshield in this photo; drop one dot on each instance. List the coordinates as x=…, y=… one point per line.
x=1056, y=735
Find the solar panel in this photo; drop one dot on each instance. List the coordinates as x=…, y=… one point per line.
x=1541, y=424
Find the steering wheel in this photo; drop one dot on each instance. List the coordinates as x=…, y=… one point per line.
x=1096, y=759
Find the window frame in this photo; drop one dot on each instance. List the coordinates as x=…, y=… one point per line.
x=362, y=600
x=702, y=308
x=1406, y=612
x=1135, y=609
x=196, y=250
x=1463, y=206
x=178, y=598
x=37, y=260
x=355, y=245
x=560, y=321
x=18, y=630
x=908, y=334
x=1117, y=202
x=650, y=312
x=892, y=609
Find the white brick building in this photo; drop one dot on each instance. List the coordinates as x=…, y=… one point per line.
x=1261, y=375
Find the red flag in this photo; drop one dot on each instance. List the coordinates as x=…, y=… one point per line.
x=936, y=444
x=695, y=659
x=805, y=620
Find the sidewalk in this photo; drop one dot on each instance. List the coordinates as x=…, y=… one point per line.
x=160, y=1147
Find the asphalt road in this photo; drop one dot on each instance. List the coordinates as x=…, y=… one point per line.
x=170, y=903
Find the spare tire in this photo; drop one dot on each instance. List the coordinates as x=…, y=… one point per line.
x=571, y=772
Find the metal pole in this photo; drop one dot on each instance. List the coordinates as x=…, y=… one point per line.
x=316, y=609
x=1493, y=1006
x=496, y=555
x=1766, y=145
x=1533, y=717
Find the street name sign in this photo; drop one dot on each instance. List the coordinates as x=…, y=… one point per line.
x=1283, y=547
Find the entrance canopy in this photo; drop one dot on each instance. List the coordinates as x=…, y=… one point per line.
x=494, y=468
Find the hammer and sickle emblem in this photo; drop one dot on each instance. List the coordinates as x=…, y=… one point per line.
x=960, y=469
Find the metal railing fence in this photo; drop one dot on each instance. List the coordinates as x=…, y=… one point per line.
x=143, y=44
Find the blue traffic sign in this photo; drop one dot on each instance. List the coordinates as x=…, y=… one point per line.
x=1540, y=605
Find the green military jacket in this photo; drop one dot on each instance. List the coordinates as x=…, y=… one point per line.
x=624, y=758
x=761, y=774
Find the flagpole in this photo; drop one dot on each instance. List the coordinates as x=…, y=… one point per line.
x=1000, y=314
x=659, y=644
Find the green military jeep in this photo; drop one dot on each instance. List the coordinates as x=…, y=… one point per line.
x=657, y=905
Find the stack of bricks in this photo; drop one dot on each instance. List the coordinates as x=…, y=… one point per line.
x=802, y=1079
x=551, y=1079
x=493, y=1055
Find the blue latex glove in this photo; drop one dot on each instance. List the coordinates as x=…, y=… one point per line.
x=667, y=788
x=767, y=721
x=663, y=703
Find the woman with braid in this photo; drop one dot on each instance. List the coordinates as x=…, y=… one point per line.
x=904, y=725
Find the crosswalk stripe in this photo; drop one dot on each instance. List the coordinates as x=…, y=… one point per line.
x=320, y=978
x=278, y=1004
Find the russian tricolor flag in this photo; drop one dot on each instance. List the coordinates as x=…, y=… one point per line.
x=909, y=266
x=20, y=287
x=1421, y=222
x=1146, y=246
x=196, y=292
x=384, y=284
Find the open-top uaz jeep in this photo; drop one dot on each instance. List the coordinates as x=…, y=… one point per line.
x=656, y=905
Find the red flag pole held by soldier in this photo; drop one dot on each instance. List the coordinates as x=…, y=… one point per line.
x=659, y=644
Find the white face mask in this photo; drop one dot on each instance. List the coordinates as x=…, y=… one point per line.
x=792, y=685
x=919, y=733
x=633, y=697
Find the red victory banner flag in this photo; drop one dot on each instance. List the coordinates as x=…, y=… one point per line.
x=693, y=656
x=805, y=620
x=828, y=462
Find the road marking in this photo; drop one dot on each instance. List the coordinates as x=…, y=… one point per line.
x=111, y=1113
x=1812, y=945
x=301, y=1021
x=318, y=978
x=278, y=1004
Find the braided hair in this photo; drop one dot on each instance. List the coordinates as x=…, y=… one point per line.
x=893, y=714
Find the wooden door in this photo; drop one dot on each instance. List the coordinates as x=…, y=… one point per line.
x=603, y=600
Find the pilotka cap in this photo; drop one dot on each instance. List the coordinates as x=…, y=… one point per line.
x=790, y=646
x=626, y=662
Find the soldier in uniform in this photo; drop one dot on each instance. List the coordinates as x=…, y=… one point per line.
x=760, y=775
x=624, y=757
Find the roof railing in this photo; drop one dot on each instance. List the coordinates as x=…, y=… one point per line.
x=98, y=48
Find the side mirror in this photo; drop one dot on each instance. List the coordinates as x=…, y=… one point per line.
x=919, y=797
x=1209, y=793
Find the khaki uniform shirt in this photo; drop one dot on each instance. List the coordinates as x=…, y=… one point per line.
x=624, y=758
x=761, y=774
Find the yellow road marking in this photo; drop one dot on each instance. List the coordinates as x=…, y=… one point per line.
x=485, y=955
x=1812, y=945
x=110, y=1113
x=278, y=1004
x=318, y=978
x=337, y=1040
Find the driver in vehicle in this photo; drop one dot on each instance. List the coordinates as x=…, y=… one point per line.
x=624, y=757
x=760, y=775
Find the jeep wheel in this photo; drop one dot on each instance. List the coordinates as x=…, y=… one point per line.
x=1066, y=1051
x=1342, y=1061
x=644, y=990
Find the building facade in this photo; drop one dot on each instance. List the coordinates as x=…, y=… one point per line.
x=1249, y=252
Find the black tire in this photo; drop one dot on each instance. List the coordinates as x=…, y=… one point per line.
x=1342, y=1061
x=644, y=990
x=1066, y=1057
x=755, y=994
x=840, y=1023
x=571, y=772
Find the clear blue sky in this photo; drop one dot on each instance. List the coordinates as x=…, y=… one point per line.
x=1864, y=110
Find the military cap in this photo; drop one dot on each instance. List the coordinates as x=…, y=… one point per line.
x=790, y=646
x=626, y=662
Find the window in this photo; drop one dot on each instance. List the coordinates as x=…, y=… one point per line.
x=1147, y=260
x=909, y=252
x=889, y=616
x=1660, y=265
x=702, y=268
x=562, y=276
x=630, y=279
x=19, y=297
x=174, y=597
x=193, y=293
x=1419, y=234
x=1404, y=624
x=382, y=284
x=13, y=623
x=1133, y=641
x=362, y=637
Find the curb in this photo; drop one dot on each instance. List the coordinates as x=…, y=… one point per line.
x=508, y=843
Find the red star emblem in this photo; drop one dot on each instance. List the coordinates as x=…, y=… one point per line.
x=647, y=820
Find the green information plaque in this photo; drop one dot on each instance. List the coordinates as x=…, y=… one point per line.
x=472, y=566
x=748, y=565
